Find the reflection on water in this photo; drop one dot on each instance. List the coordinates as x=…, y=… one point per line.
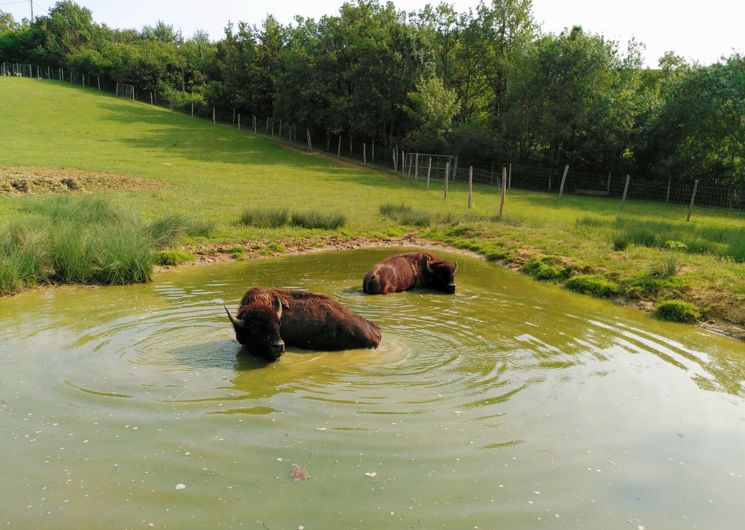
x=511, y=404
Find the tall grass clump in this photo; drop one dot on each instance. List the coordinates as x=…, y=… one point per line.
x=81, y=210
x=318, y=219
x=677, y=311
x=123, y=254
x=168, y=229
x=73, y=253
x=24, y=254
x=264, y=217
x=405, y=214
x=82, y=240
x=594, y=284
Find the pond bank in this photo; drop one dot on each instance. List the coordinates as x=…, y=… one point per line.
x=226, y=252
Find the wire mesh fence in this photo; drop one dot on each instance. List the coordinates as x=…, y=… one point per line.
x=386, y=154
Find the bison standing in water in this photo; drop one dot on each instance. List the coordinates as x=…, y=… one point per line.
x=409, y=271
x=268, y=319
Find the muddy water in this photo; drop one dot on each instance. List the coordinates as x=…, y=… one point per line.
x=509, y=405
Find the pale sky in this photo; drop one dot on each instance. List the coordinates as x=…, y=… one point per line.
x=700, y=31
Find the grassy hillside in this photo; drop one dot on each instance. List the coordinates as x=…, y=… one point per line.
x=212, y=174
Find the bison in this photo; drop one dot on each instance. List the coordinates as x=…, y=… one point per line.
x=409, y=271
x=268, y=319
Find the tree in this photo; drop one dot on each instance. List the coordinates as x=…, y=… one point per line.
x=67, y=28
x=433, y=106
x=699, y=131
x=7, y=22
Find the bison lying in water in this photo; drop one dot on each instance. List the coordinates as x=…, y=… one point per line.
x=408, y=271
x=269, y=319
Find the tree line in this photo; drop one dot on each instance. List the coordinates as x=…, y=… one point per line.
x=486, y=84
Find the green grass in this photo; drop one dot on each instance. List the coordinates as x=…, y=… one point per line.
x=318, y=219
x=405, y=214
x=593, y=284
x=677, y=311
x=172, y=257
x=213, y=174
x=264, y=217
x=548, y=268
x=83, y=240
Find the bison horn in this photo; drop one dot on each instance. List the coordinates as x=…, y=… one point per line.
x=237, y=322
x=456, y=268
x=427, y=267
x=277, y=306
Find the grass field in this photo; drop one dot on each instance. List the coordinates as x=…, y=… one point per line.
x=215, y=175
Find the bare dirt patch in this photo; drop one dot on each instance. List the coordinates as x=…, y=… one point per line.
x=16, y=180
x=222, y=252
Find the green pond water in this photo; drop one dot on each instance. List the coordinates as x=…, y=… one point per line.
x=512, y=405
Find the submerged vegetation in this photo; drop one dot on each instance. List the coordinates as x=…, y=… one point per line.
x=85, y=240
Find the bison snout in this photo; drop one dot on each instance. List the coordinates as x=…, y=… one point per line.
x=277, y=348
x=450, y=288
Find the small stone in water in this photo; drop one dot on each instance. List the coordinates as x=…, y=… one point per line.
x=180, y=486
x=372, y=474
x=299, y=473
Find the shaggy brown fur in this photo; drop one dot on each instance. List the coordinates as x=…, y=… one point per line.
x=410, y=271
x=269, y=319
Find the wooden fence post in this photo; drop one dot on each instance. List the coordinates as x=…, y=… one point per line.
x=98, y=79
x=214, y=121
x=608, y=187
x=693, y=198
x=563, y=180
x=416, y=167
x=447, y=175
x=310, y=145
x=395, y=160
x=470, y=187
x=151, y=98
x=364, y=153
x=509, y=178
x=504, y=191
x=625, y=191
x=351, y=143
x=667, y=199
x=239, y=121
x=338, y=149
x=372, y=154
x=403, y=163
x=429, y=171
x=192, y=109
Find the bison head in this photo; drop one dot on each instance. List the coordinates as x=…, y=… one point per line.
x=440, y=275
x=257, y=329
